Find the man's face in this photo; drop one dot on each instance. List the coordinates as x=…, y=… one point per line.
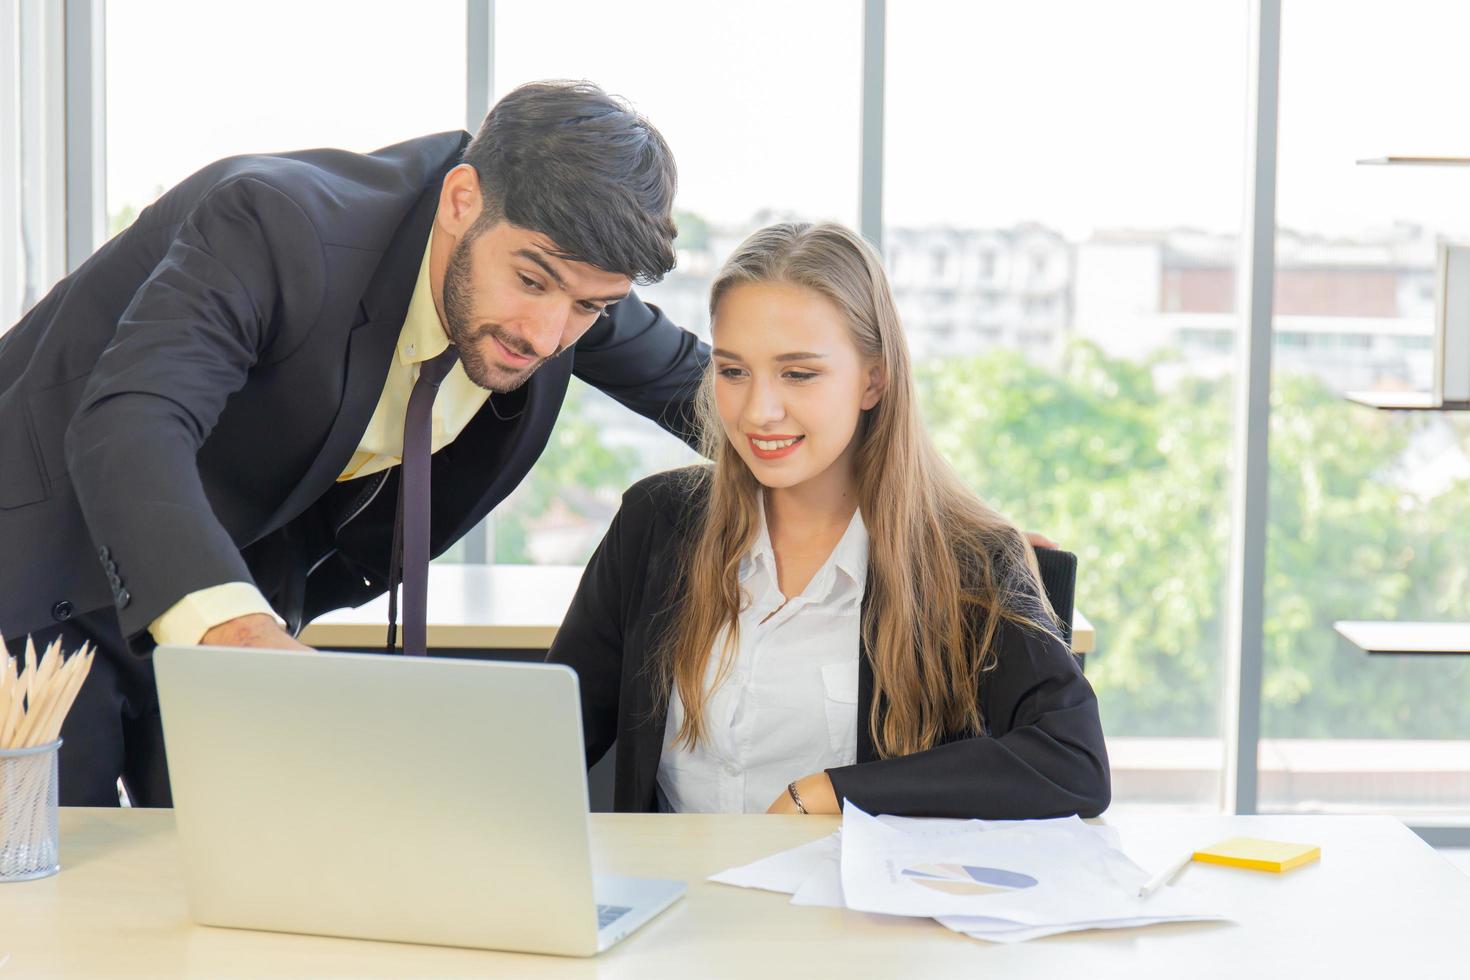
x=510, y=303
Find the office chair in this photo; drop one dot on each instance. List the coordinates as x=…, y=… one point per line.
x=1059, y=579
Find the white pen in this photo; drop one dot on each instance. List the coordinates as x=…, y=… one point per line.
x=1163, y=877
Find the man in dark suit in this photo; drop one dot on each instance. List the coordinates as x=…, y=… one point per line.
x=200, y=428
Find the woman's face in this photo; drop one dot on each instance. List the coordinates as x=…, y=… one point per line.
x=789, y=382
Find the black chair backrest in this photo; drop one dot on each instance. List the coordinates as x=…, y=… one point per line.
x=1059, y=579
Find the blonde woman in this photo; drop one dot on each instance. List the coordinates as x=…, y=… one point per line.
x=826, y=613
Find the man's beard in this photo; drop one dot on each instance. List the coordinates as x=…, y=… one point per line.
x=460, y=326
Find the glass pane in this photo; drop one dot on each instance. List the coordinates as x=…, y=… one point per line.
x=765, y=126
x=32, y=170
x=1368, y=509
x=189, y=83
x=1061, y=214
x=270, y=76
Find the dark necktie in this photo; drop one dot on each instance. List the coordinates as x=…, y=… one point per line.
x=409, y=561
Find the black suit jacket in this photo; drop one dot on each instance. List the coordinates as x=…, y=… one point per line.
x=1042, y=756
x=175, y=413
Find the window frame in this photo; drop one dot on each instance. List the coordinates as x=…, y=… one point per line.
x=81, y=215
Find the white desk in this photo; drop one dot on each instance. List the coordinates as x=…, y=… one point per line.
x=1406, y=401
x=1380, y=903
x=496, y=607
x=1445, y=639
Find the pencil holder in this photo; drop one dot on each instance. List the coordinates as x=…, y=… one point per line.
x=29, y=828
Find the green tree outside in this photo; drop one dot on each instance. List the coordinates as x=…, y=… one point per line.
x=1136, y=480
x=575, y=457
x=693, y=230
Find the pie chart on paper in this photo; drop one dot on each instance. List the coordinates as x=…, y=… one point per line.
x=967, y=879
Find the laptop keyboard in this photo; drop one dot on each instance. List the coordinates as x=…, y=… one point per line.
x=608, y=914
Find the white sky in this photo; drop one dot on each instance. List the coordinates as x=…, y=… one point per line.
x=1078, y=113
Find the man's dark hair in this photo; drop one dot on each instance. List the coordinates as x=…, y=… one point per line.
x=570, y=161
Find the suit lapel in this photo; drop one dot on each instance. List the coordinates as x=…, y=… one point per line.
x=647, y=750
x=370, y=348
x=865, y=751
x=641, y=731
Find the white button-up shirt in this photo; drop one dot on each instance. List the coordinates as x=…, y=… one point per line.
x=788, y=707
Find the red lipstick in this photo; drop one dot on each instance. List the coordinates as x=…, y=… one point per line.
x=774, y=453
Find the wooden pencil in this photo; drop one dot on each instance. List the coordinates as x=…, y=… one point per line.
x=30, y=668
x=53, y=722
x=42, y=699
x=36, y=697
x=7, y=671
x=43, y=692
x=49, y=728
x=16, y=713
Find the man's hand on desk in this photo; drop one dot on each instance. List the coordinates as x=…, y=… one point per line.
x=255, y=630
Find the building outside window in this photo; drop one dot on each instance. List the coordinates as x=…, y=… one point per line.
x=1066, y=267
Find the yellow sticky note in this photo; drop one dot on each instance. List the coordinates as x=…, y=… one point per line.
x=1259, y=855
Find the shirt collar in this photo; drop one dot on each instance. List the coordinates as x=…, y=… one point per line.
x=851, y=554
x=422, y=337
x=761, y=556
x=844, y=573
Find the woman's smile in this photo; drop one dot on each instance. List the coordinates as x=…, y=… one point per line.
x=773, y=446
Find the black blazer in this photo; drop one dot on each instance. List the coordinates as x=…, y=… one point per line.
x=175, y=413
x=1043, y=754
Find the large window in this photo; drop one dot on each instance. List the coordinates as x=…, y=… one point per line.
x=1369, y=510
x=760, y=103
x=1057, y=175
x=32, y=245
x=1062, y=212
x=189, y=83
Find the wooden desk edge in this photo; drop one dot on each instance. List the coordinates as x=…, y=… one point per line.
x=440, y=635
x=359, y=636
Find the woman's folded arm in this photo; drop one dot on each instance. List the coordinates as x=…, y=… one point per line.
x=1044, y=756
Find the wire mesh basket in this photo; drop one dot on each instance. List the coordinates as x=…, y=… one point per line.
x=29, y=830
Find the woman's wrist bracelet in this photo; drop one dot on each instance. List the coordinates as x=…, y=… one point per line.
x=795, y=797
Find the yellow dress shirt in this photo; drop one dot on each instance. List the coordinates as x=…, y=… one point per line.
x=380, y=447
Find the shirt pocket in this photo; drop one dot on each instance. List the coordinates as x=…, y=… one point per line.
x=840, y=697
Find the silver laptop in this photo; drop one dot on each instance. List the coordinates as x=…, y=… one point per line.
x=410, y=799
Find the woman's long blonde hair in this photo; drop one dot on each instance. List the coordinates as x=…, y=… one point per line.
x=935, y=553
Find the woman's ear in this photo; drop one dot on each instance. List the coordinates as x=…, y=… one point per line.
x=877, y=383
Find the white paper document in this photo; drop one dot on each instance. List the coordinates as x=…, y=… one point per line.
x=998, y=880
x=786, y=871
